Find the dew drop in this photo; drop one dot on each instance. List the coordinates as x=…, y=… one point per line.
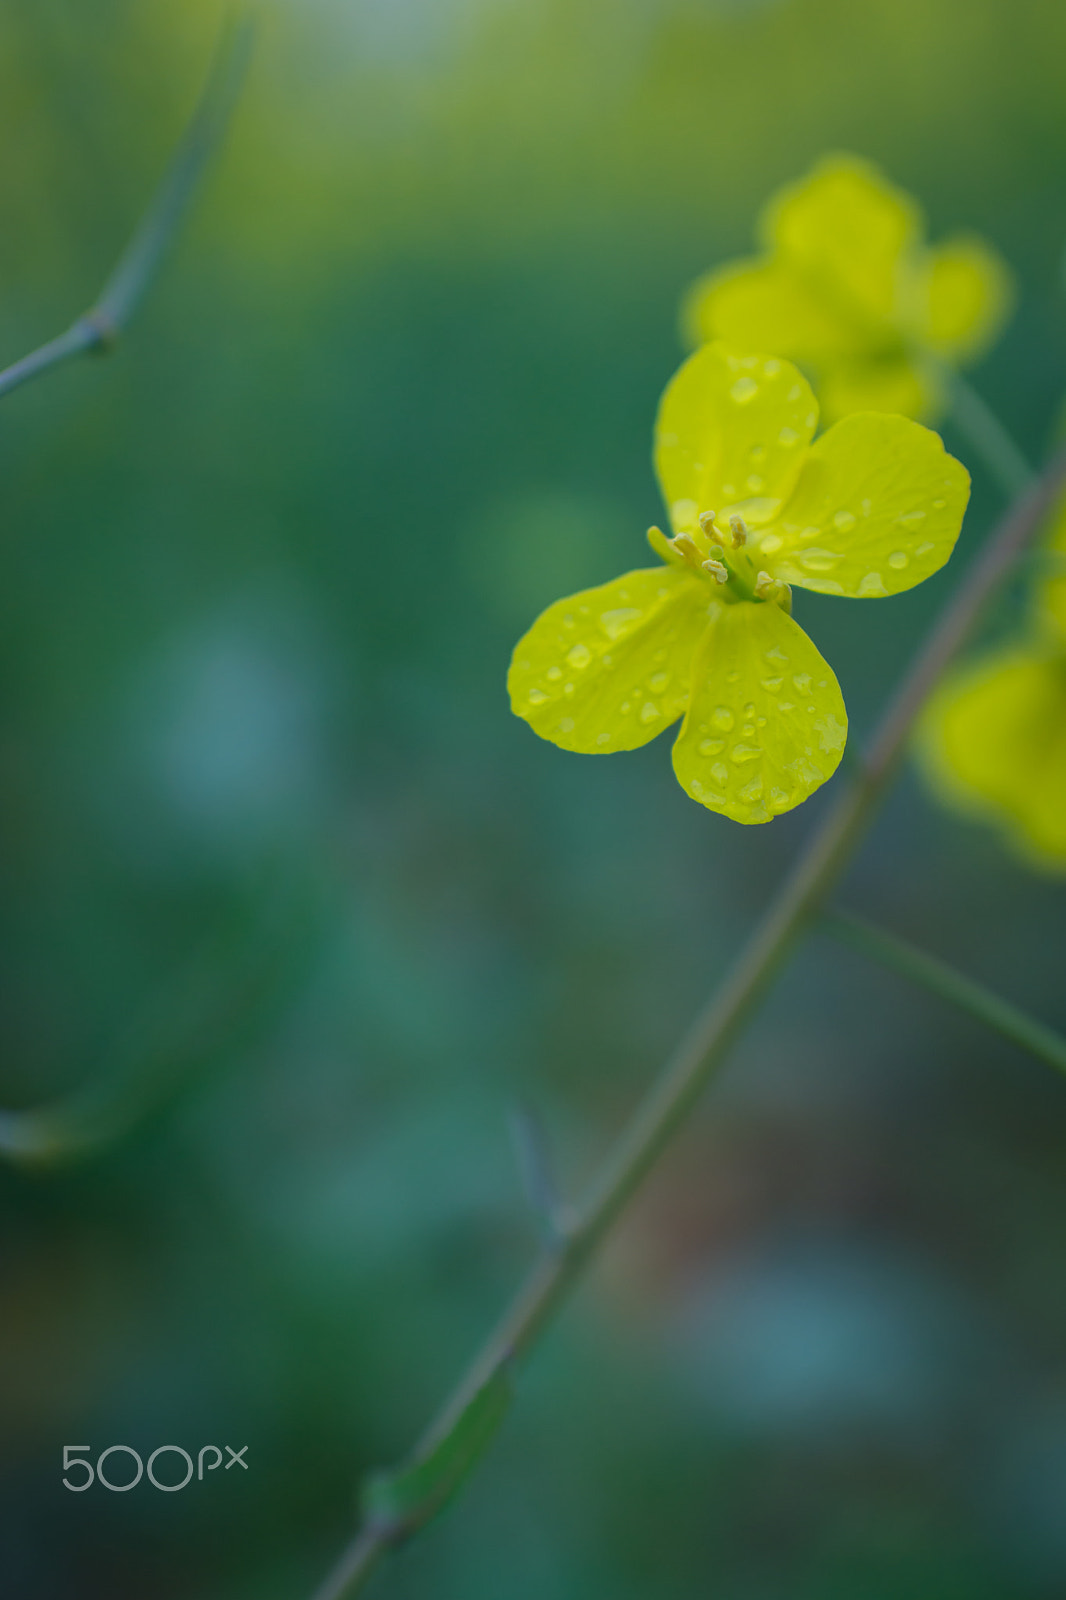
x=772, y=368
x=779, y=800
x=649, y=712
x=743, y=390
x=844, y=520
x=802, y=680
x=872, y=584
x=722, y=718
x=770, y=543
x=603, y=738
x=743, y=753
x=795, y=392
x=748, y=730
x=815, y=560
x=720, y=773
x=899, y=559
x=938, y=505
x=536, y=697
x=788, y=437
x=568, y=688
x=778, y=655
x=732, y=676
x=566, y=725
x=616, y=622
x=568, y=621
x=710, y=747
x=625, y=708
x=757, y=453
x=554, y=674
x=579, y=656
x=752, y=791
x=658, y=683
x=924, y=549
x=773, y=684
x=755, y=483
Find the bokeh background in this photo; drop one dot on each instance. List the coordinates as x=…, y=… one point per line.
x=294, y=913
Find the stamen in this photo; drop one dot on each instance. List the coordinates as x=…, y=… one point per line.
x=739, y=529
x=707, y=524
x=768, y=588
x=718, y=570
x=684, y=546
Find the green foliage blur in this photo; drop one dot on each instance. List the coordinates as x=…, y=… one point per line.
x=284, y=879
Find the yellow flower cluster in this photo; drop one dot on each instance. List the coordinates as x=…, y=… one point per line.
x=993, y=740
x=755, y=504
x=847, y=287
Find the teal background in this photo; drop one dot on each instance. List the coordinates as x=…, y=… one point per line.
x=283, y=878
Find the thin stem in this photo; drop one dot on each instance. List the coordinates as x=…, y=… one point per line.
x=686, y=1076
x=975, y=419
x=943, y=980
x=98, y=328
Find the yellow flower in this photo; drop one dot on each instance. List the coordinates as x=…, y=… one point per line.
x=870, y=509
x=992, y=742
x=849, y=289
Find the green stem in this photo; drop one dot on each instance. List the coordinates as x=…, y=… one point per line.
x=979, y=423
x=943, y=980
x=686, y=1076
x=98, y=328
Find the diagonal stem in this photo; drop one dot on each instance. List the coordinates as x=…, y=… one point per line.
x=98, y=328
x=687, y=1074
x=974, y=418
x=941, y=979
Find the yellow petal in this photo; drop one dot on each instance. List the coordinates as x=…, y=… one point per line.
x=877, y=509
x=765, y=305
x=609, y=668
x=993, y=744
x=967, y=295
x=892, y=385
x=848, y=230
x=731, y=436
x=766, y=725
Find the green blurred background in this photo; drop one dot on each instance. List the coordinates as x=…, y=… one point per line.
x=281, y=873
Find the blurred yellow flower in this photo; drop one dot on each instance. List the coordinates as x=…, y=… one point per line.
x=849, y=288
x=992, y=742
x=870, y=509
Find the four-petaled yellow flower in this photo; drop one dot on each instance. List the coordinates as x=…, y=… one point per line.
x=993, y=740
x=848, y=288
x=870, y=509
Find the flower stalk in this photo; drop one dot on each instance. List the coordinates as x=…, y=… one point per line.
x=686, y=1075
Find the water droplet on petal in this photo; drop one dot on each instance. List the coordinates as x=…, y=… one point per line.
x=844, y=520
x=658, y=683
x=566, y=725
x=616, y=622
x=743, y=390
x=769, y=543
x=787, y=436
x=802, y=680
x=579, y=656
x=554, y=674
x=773, y=684
x=899, y=559
x=722, y=718
x=536, y=697
x=710, y=747
x=742, y=753
x=720, y=773
x=649, y=712
x=815, y=560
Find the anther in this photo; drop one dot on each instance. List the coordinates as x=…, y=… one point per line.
x=717, y=569
x=739, y=529
x=685, y=547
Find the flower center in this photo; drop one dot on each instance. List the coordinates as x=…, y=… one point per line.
x=723, y=558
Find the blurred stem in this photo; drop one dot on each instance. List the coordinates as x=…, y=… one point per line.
x=687, y=1074
x=979, y=423
x=943, y=980
x=98, y=329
